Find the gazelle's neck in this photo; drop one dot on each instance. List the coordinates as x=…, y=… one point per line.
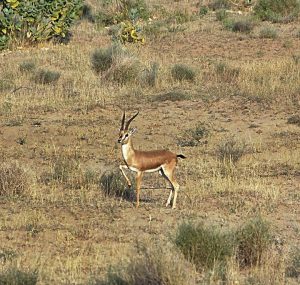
x=127, y=149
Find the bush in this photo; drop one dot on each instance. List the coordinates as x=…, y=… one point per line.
x=102, y=59
x=277, y=10
x=268, y=33
x=153, y=265
x=15, y=276
x=35, y=21
x=172, y=96
x=205, y=247
x=44, y=76
x=243, y=26
x=113, y=184
x=252, y=241
x=193, y=137
x=27, y=66
x=230, y=150
x=182, y=72
x=13, y=179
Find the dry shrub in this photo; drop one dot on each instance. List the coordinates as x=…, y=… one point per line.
x=182, y=72
x=154, y=265
x=13, y=179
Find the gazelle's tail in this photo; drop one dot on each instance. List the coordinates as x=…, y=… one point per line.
x=181, y=156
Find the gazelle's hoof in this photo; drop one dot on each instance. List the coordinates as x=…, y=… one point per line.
x=173, y=207
x=167, y=205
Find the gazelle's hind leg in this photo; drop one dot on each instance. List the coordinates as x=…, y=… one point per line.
x=168, y=171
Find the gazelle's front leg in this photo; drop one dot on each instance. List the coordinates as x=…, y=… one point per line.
x=138, y=187
x=122, y=167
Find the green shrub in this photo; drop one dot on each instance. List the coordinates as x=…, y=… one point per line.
x=252, y=241
x=27, y=66
x=113, y=183
x=14, y=276
x=193, y=137
x=44, y=76
x=35, y=21
x=182, y=72
x=231, y=150
x=268, y=33
x=13, y=179
x=277, y=10
x=87, y=13
x=205, y=247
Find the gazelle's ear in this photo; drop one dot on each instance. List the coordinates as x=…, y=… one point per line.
x=132, y=131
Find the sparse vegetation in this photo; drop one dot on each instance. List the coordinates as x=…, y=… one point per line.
x=219, y=4
x=194, y=136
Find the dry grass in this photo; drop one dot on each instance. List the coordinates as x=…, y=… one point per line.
x=56, y=220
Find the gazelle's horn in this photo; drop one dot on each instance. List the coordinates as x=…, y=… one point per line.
x=130, y=120
x=123, y=122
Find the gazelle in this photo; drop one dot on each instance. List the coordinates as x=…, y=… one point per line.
x=163, y=161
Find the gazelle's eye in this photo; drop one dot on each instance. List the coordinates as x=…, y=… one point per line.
x=126, y=136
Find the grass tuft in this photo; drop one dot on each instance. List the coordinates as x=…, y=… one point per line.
x=13, y=179
x=172, y=96
x=113, y=184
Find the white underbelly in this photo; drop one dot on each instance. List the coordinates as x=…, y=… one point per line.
x=148, y=170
